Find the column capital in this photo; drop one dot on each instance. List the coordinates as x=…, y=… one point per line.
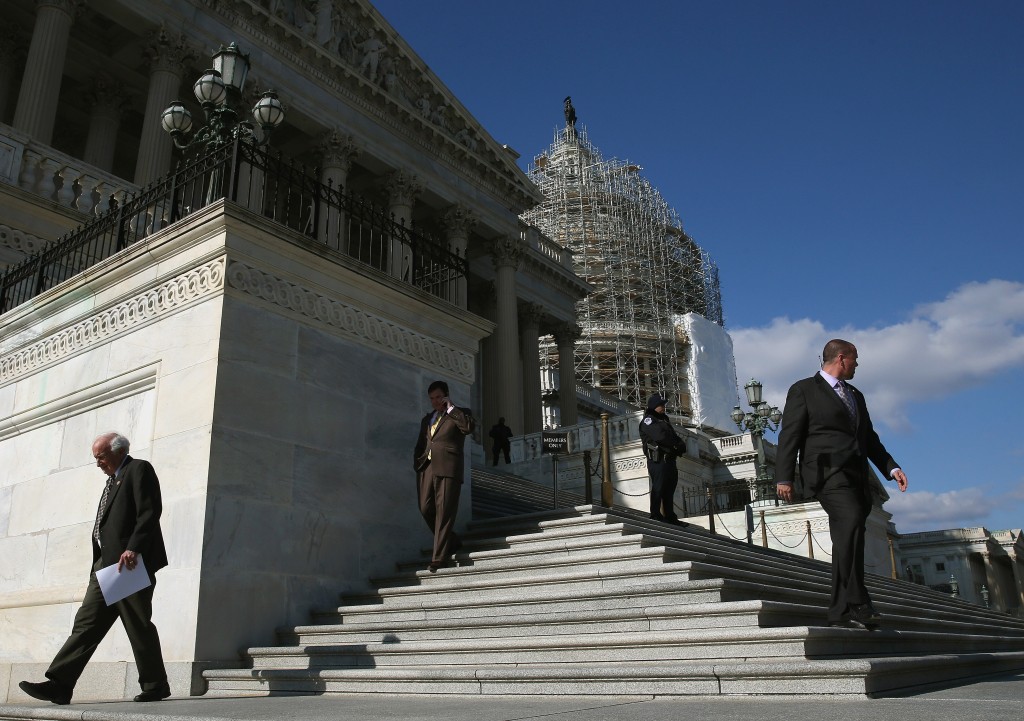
x=531, y=313
x=402, y=187
x=337, y=150
x=105, y=94
x=169, y=52
x=506, y=251
x=567, y=333
x=457, y=220
x=71, y=7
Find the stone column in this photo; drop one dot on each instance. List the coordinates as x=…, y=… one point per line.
x=168, y=57
x=402, y=189
x=44, y=68
x=107, y=101
x=457, y=222
x=530, y=316
x=566, y=336
x=507, y=252
x=337, y=151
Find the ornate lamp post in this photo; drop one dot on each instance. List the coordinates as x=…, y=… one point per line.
x=763, y=417
x=217, y=91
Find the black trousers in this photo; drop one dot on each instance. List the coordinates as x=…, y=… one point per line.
x=498, y=449
x=92, y=622
x=664, y=479
x=848, y=505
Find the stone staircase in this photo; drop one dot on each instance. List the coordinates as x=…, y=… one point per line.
x=593, y=601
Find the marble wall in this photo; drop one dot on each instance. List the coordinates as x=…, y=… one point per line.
x=278, y=395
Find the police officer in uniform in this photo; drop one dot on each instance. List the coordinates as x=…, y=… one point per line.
x=661, y=447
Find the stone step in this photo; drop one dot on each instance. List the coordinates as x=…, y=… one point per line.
x=504, y=624
x=792, y=676
x=528, y=601
x=629, y=647
x=640, y=618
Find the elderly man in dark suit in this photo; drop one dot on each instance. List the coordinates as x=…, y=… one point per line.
x=127, y=526
x=825, y=444
x=438, y=460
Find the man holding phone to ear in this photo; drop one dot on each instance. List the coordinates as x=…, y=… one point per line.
x=438, y=460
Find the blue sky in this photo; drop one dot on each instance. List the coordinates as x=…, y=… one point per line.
x=855, y=169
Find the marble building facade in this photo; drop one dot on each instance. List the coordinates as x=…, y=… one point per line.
x=275, y=383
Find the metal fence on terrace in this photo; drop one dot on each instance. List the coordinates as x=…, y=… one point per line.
x=279, y=190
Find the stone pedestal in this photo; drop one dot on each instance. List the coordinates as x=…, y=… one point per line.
x=278, y=394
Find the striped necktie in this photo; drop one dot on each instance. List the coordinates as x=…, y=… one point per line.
x=847, y=399
x=104, y=499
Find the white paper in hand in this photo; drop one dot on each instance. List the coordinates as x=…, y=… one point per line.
x=116, y=586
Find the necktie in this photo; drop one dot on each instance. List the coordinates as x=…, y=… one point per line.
x=847, y=399
x=102, y=509
x=433, y=428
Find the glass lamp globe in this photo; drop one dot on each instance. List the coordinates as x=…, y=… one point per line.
x=210, y=89
x=176, y=118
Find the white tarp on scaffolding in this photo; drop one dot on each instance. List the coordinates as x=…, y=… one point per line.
x=711, y=371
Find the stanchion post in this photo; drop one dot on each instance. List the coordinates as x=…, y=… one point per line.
x=711, y=508
x=810, y=541
x=588, y=491
x=606, y=462
x=764, y=532
x=892, y=557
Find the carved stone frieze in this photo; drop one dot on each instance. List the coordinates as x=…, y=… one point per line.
x=20, y=241
x=144, y=307
x=363, y=326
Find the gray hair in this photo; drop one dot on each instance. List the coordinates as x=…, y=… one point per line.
x=116, y=441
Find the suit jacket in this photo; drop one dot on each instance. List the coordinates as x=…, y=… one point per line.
x=819, y=442
x=445, y=445
x=131, y=520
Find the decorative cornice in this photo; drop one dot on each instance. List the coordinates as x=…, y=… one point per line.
x=402, y=95
x=363, y=327
x=101, y=327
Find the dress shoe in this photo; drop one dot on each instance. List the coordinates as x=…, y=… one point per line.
x=47, y=691
x=434, y=565
x=154, y=694
x=676, y=522
x=865, y=616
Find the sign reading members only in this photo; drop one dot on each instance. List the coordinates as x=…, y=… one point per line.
x=554, y=442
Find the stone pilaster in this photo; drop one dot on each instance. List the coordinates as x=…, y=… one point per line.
x=40, y=85
x=457, y=221
x=566, y=336
x=402, y=189
x=337, y=151
x=507, y=252
x=107, y=101
x=168, y=56
x=530, y=316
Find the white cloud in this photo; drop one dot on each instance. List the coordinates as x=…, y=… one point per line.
x=957, y=343
x=926, y=511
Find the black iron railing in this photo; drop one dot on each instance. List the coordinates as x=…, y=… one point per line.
x=726, y=497
x=277, y=189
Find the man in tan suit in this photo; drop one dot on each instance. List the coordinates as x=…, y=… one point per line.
x=438, y=460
